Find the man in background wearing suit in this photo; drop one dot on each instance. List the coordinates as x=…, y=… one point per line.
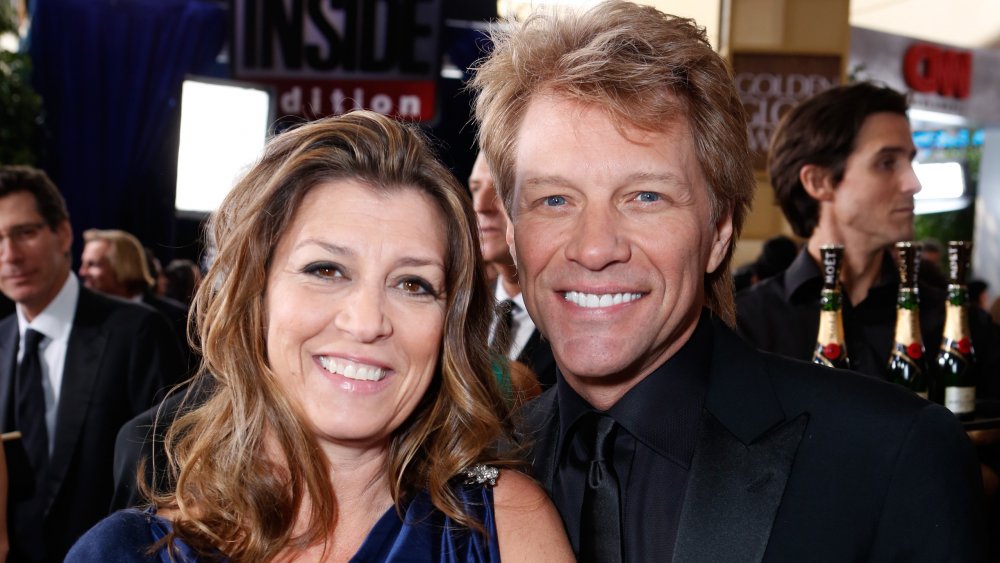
x=526, y=343
x=114, y=263
x=618, y=144
x=74, y=366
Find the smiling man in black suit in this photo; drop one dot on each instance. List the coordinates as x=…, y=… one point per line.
x=618, y=144
x=74, y=366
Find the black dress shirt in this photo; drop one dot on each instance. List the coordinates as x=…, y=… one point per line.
x=658, y=424
x=781, y=315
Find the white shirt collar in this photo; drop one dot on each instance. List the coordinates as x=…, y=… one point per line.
x=56, y=320
x=502, y=295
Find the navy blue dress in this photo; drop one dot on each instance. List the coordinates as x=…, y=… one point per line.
x=424, y=534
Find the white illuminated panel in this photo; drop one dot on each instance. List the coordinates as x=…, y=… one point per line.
x=223, y=130
x=942, y=187
x=936, y=117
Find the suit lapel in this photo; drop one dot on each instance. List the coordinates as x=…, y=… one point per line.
x=8, y=359
x=83, y=359
x=539, y=429
x=741, y=463
x=734, y=492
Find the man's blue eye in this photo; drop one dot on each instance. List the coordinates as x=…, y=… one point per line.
x=555, y=200
x=648, y=197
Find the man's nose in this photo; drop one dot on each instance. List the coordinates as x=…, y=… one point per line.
x=598, y=240
x=485, y=201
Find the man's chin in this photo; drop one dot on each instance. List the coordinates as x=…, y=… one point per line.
x=598, y=372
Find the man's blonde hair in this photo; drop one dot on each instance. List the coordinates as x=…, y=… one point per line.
x=126, y=256
x=645, y=69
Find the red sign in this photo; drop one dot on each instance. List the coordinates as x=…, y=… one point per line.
x=407, y=100
x=326, y=57
x=932, y=69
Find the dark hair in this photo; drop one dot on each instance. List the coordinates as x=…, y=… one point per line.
x=822, y=131
x=976, y=289
x=776, y=256
x=48, y=201
x=181, y=280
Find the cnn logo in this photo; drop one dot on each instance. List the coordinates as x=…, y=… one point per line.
x=929, y=69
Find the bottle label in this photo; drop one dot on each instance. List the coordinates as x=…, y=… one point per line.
x=830, y=348
x=831, y=328
x=956, y=331
x=908, y=329
x=960, y=400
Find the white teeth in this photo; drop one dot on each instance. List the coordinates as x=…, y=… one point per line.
x=593, y=300
x=352, y=370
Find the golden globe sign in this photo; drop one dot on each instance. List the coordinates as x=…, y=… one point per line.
x=331, y=56
x=771, y=84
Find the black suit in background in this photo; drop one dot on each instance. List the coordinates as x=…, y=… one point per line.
x=136, y=445
x=781, y=315
x=537, y=355
x=796, y=462
x=177, y=316
x=118, y=357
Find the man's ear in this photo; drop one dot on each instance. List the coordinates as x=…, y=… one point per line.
x=721, y=242
x=510, y=233
x=817, y=182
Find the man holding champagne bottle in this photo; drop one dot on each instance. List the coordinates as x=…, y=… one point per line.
x=841, y=167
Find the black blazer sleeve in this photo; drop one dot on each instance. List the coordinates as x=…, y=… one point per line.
x=931, y=508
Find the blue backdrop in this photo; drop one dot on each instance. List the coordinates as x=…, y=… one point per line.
x=110, y=73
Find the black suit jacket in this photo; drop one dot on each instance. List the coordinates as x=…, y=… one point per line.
x=118, y=357
x=537, y=355
x=177, y=316
x=140, y=443
x=797, y=462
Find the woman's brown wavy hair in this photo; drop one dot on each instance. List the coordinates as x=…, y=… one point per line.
x=235, y=495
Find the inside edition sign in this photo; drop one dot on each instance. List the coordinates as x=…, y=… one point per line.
x=327, y=57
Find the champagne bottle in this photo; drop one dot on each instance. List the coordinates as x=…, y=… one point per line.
x=956, y=360
x=906, y=361
x=831, y=349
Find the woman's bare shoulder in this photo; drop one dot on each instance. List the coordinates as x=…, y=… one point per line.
x=528, y=525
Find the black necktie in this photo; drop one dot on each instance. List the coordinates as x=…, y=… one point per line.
x=29, y=409
x=600, y=522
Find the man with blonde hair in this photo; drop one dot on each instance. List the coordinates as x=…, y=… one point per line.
x=618, y=145
x=114, y=263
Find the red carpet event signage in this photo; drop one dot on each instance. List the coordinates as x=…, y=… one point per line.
x=932, y=69
x=770, y=84
x=327, y=56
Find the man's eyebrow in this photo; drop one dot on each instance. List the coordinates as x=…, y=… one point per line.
x=549, y=180
x=635, y=178
x=894, y=150
x=658, y=178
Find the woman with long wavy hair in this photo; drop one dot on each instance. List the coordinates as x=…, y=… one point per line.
x=352, y=413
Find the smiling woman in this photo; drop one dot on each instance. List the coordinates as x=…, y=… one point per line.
x=353, y=413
